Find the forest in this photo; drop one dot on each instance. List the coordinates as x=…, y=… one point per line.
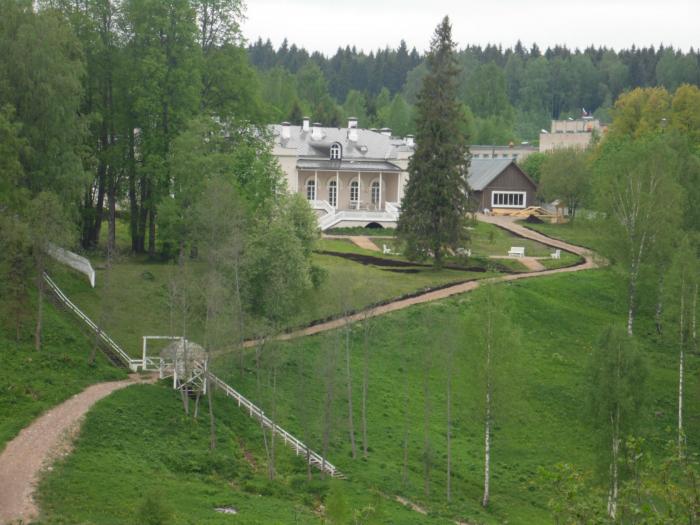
x=509, y=93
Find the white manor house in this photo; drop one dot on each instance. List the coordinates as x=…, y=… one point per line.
x=357, y=177
x=351, y=176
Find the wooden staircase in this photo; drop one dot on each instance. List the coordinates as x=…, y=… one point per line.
x=196, y=377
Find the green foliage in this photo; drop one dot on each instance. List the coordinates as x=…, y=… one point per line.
x=532, y=165
x=566, y=175
x=435, y=200
x=154, y=510
x=36, y=381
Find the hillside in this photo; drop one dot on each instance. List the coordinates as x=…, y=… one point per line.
x=539, y=419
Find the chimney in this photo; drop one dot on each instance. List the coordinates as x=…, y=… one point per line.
x=385, y=131
x=316, y=133
x=305, y=121
x=352, y=129
x=409, y=141
x=286, y=131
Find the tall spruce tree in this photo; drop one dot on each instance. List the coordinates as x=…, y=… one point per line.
x=435, y=202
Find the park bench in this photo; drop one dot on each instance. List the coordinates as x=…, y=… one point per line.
x=516, y=251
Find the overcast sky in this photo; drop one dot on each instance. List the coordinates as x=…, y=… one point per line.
x=324, y=25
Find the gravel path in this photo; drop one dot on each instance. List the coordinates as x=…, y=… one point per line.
x=507, y=223
x=38, y=445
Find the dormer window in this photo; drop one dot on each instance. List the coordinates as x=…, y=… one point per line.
x=336, y=151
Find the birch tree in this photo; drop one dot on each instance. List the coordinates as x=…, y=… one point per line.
x=616, y=377
x=681, y=301
x=496, y=349
x=638, y=192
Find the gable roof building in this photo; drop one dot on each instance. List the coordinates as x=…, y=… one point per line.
x=357, y=177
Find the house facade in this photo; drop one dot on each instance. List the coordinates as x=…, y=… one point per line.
x=350, y=176
x=357, y=177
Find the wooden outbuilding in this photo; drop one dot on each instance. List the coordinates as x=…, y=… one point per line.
x=499, y=186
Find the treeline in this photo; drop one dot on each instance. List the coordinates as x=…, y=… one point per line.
x=509, y=94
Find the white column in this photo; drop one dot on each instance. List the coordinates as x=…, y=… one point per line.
x=315, y=187
x=337, y=190
x=359, y=190
x=380, y=191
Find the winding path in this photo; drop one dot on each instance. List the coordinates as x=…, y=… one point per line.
x=41, y=443
x=507, y=223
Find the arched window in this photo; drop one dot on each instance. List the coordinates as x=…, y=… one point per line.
x=375, y=192
x=333, y=193
x=311, y=189
x=336, y=151
x=354, y=191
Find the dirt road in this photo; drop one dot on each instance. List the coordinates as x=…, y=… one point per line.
x=39, y=444
x=507, y=223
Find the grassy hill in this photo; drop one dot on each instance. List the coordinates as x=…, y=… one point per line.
x=33, y=382
x=539, y=420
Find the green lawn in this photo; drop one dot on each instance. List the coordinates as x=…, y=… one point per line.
x=582, y=232
x=541, y=394
x=141, y=438
x=134, y=302
x=33, y=382
x=137, y=449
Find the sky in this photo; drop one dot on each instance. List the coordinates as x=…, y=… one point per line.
x=325, y=25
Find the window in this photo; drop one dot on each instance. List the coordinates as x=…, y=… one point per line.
x=508, y=199
x=333, y=193
x=335, y=151
x=354, y=191
x=375, y=192
x=311, y=190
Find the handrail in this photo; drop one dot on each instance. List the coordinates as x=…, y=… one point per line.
x=199, y=369
x=313, y=457
x=131, y=363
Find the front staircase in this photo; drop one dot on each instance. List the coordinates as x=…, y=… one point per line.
x=195, y=378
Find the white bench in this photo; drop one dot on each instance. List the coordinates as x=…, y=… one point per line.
x=516, y=251
x=556, y=254
x=386, y=250
x=464, y=252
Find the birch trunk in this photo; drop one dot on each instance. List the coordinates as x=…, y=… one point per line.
x=487, y=451
x=212, y=421
x=632, y=297
x=681, y=364
x=365, y=379
x=348, y=379
x=612, y=496
x=450, y=350
x=40, y=311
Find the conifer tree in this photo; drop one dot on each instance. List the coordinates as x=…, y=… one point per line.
x=435, y=202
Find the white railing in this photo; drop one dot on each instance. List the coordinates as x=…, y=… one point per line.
x=299, y=448
x=196, y=377
x=393, y=207
x=133, y=364
x=323, y=205
x=75, y=261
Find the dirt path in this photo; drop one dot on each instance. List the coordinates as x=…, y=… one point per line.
x=362, y=241
x=507, y=223
x=39, y=444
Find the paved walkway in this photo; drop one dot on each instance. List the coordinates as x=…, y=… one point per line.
x=507, y=223
x=41, y=443
x=362, y=241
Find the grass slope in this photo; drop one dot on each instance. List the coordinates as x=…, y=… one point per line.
x=541, y=394
x=33, y=382
x=157, y=457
